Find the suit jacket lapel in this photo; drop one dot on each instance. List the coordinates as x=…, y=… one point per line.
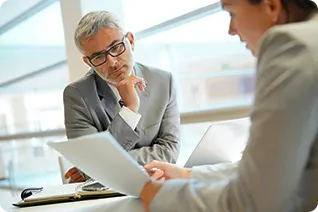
x=143, y=96
x=107, y=97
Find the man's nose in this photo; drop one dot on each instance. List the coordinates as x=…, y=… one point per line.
x=111, y=60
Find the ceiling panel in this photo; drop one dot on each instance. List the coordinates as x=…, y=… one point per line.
x=43, y=29
x=13, y=8
x=213, y=29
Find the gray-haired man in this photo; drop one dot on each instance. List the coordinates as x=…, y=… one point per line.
x=136, y=103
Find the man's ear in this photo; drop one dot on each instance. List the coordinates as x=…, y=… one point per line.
x=85, y=59
x=130, y=36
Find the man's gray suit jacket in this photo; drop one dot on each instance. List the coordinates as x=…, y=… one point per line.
x=90, y=106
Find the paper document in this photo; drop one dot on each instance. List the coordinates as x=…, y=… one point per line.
x=102, y=158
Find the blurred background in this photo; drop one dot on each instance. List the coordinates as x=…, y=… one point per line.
x=213, y=71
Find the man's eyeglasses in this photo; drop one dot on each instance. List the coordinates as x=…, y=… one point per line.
x=114, y=51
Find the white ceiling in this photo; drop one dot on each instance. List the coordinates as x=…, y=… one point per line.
x=210, y=29
x=43, y=29
x=12, y=8
x=142, y=14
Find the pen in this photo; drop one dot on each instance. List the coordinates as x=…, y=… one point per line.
x=29, y=192
x=149, y=171
x=152, y=170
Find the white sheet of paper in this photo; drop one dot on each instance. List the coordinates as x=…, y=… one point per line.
x=102, y=158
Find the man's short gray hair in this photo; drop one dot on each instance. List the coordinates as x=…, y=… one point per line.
x=92, y=23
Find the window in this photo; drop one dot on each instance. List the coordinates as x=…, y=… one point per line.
x=31, y=62
x=45, y=110
x=10, y=9
x=52, y=79
x=142, y=14
x=35, y=31
x=211, y=68
x=32, y=45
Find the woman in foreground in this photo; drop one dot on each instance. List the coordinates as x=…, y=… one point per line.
x=279, y=168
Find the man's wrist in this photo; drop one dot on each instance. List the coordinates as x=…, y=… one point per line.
x=130, y=117
x=132, y=108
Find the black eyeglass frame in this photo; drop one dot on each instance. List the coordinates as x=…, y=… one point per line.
x=122, y=43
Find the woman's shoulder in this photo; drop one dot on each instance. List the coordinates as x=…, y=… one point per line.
x=298, y=35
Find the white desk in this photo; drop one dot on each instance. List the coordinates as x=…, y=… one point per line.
x=118, y=204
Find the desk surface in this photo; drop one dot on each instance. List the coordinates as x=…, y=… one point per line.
x=119, y=204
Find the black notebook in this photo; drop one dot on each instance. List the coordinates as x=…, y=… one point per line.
x=66, y=193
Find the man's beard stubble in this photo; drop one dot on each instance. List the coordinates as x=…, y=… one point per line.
x=112, y=81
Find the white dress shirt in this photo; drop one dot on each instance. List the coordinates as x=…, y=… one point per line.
x=130, y=117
